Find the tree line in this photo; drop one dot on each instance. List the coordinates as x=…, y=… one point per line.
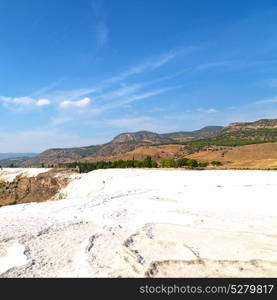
x=148, y=162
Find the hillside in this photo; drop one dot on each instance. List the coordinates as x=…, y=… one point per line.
x=140, y=136
x=236, y=134
x=122, y=143
x=15, y=162
x=16, y=155
x=263, y=123
x=156, y=152
x=147, y=136
x=196, y=134
x=238, y=145
x=55, y=156
x=142, y=143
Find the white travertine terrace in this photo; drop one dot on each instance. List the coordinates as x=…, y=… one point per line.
x=9, y=174
x=134, y=223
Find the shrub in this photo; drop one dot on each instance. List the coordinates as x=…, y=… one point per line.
x=181, y=162
x=192, y=163
x=216, y=163
x=203, y=164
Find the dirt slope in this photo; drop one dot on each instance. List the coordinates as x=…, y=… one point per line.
x=26, y=189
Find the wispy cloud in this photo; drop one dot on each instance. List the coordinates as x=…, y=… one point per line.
x=272, y=83
x=264, y=101
x=45, y=89
x=102, y=33
x=121, y=92
x=100, y=26
x=17, y=103
x=152, y=63
x=99, y=89
x=71, y=95
x=210, y=65
x=136, y=97
x=208, y=111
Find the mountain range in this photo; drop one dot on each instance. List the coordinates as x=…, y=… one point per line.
x=16, y=155
x=122, y=143
x=168, y=145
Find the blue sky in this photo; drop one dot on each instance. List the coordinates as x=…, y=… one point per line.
x=75, y=73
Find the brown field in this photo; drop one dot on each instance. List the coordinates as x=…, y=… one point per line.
x=250, y=156
x=156, y=152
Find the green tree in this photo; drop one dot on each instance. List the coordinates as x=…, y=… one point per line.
x=147, y=162
x=192, y=163
x=203, y=164
x=168, y=163
x=181, y=162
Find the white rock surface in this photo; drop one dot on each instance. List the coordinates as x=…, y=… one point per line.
x=135, y=222
x=9, y=174
x=14, y=257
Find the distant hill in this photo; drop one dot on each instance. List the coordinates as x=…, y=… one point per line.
x=12, y=155
x=238, y=134
x=141, y=142
x=61, y=155
x=120, y=144
x=140, y=136
x=15, y=161
x=260, y=124
x=196, y=134
x=147, y=136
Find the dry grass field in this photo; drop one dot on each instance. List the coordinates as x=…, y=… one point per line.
x=257, y=156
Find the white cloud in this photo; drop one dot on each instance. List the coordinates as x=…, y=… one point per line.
x=207, y=111
x=78, y=104
x=20, y=102
x=42, y=102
